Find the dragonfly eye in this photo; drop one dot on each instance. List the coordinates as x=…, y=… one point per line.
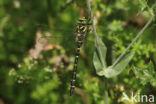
x=82, y=21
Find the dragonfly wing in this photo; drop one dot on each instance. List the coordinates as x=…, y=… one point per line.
x=44, y=28
x=67, y=42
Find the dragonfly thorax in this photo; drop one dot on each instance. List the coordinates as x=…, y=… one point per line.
x=80, y=32
x=81, y=28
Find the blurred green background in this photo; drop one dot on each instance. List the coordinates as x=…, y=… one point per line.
x=40, y=73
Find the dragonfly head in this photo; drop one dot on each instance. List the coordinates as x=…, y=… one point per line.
x=82, y=20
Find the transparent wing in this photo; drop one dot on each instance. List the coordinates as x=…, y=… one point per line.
x=65, y=38
x=58, y=40
x=46, y=28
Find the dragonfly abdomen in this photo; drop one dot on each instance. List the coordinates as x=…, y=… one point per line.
x=75, y=68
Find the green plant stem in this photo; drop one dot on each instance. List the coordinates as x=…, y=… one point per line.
x=134, y=40
x=96, y=42
x=66, y=5
x=94, y=31
x=91, y=16
x=106, y=91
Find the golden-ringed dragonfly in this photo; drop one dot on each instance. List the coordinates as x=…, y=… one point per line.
x=81, y=31
x=82, y=27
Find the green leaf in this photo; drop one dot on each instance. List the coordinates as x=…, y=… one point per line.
x=146, y=75
x=151, y=68
x=111, y=71
x=3, y=22
x=119, y=67
x=97, y=64
x=138, y=72
x=143, y=5
x=100, y=51
x=100, y=64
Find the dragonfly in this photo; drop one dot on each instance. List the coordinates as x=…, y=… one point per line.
x=82, y=28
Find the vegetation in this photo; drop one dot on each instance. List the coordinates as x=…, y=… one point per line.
x=36, y=70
